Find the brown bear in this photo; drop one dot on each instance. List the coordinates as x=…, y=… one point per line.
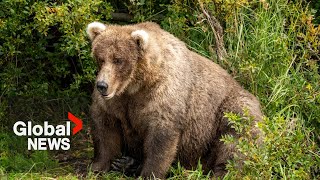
x=157, y=101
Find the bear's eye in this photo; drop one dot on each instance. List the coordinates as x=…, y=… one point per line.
x=117, y=61
x=100, y=61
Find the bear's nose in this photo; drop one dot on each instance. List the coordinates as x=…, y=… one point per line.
x=102, y=87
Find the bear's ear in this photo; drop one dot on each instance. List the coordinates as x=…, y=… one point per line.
x=141, y=37
x=94, y=29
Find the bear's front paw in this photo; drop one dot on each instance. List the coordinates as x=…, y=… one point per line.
x=127, y=165
x=99, y=167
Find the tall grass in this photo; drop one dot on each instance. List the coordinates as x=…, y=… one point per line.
x=268, y=48
x=273, y=62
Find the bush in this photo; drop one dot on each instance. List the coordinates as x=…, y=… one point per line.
x=45, y=70
x=286, y=152
x=45, y=51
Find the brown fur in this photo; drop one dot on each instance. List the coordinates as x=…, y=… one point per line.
x=168, y=105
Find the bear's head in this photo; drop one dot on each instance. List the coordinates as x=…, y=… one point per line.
x=117, y=50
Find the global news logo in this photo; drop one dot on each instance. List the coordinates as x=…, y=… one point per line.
x=47, y=136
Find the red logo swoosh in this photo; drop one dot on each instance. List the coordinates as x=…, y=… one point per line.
x=76, y=121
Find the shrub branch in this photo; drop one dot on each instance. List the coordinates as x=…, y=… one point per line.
x=217, y=31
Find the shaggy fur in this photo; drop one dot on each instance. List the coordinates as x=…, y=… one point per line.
x=164, y=103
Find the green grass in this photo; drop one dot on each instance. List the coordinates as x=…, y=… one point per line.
x=272, y=62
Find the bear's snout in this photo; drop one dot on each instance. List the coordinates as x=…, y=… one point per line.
x=102, y=87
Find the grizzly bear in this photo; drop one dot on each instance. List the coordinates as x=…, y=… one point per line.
x=158, y=102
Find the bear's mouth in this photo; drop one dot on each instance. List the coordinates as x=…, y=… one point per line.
x=108, y=96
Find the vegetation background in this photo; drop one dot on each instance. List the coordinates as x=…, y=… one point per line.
x=273, y=50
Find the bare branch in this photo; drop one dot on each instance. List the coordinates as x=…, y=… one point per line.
x=121, y=17
x=217, y=31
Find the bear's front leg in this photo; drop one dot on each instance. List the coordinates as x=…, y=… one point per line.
x=107, y=140
x=160, y=149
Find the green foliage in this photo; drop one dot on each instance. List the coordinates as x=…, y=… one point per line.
x=144, y=10
x=15, y=157
x=45, y=51
x=45, y=71
x=272, y=50
x=286, y=151
x=271, y=47
x=178, y=172
x=315, y=5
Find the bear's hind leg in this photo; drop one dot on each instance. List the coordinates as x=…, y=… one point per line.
x=223, y=154
x=236, y=104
